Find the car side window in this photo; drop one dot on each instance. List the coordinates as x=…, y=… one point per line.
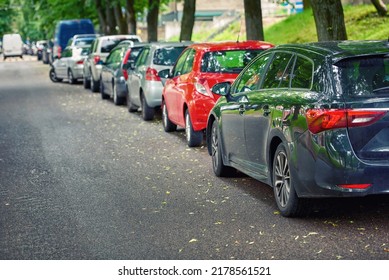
x=188, y=65
x=249, y=80
x=302, y=73
x=278, y=73
x=143, y=57
x=113, y=57
x=67, y=52
x=177, y=70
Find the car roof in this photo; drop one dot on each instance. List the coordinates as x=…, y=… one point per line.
x=230, y=45
x=341, y=49
x=169, y=44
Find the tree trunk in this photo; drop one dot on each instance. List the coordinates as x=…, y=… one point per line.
x=110, y=15
x=131, y=16
x=152, y=20
x=253, y=15
x=121, y=21
x=101, y=15
x=306, y=4
x=380, y=7
x=329, y=20
x=188, y=19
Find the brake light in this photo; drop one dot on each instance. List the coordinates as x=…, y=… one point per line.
x=59, y=50
x=96, y=59
x=152, y=75
x=325, y=119
x=81, y=61
x=200, y=88
x=354, y=186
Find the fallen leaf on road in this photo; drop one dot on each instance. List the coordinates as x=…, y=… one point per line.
x=193, y=240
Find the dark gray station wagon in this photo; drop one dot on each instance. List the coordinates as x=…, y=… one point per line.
x=311, y=120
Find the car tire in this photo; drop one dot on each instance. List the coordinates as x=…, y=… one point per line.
x=131, y=107
x=116, y=99
x=168, y=126
x=218, y=166
x=71, y=78
x=288, y=203
x=103, y=95
x=86, y=82
x=147, y=112
x=193, y=138
x=53, y=76
x=95, y=85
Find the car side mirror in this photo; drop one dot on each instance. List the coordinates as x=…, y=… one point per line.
x=221, y=88
x=165, y=73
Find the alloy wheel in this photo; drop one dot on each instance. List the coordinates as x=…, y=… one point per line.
x=282, y=179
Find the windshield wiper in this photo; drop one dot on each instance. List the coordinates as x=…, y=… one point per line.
x=383, y=89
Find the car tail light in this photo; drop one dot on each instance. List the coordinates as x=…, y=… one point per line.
x=200, y=88
x=325, y=119
x=59, y=50
x=125, y=74
x=152, y=75
x=81, y=61
x=354, y=186
x=96, y=59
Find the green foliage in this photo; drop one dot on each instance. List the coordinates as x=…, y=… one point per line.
x=6, y=17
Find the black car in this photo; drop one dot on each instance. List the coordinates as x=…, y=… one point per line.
x=311, y=120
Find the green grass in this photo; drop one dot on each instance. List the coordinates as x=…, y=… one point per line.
x=362, y=23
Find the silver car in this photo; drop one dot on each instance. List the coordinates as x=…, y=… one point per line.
x=70, y=65
x=143, y=83
x=99, y=50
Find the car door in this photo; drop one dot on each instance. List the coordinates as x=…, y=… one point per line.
x=176, y=86
x=111, y=64
x=233, y=112
x=62, y=64
x=137, y=75
x=262, y=105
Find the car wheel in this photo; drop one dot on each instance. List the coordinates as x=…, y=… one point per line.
x=103, y=95
x=86, y=82
x=71, y=78
x=218, y=166
x=53, y=76
x=288, y=202
x=116, y=99
x=94, y=85
x=147, y=112
x=168, y=126
x=131, y=107
x=193, y=138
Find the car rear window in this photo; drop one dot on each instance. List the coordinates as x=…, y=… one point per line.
x=232, y=61
x=109, y=44
x=363, y=76
x=83, y=42
x=167, y=56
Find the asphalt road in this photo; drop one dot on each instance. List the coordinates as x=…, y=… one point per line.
x=81, y=178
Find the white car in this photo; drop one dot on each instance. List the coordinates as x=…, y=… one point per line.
x=70, y=65
x=12, y=45
x=99, y=50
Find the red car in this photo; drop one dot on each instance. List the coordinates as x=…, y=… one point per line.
x=187, y=98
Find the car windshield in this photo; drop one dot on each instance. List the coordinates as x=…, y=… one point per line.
x=363, y=76
x=231, y=61
x=167, y=56
x=83, y=42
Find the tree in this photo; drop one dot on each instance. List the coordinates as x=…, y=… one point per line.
x=131, y=16
x=188, y=19
x=329, y=19
x=380, y=7
x=152, y=20
x=253, y=15
x=120, y=17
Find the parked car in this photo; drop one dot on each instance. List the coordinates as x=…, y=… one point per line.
x=144, y=84
x=70, y=65
x=187, y=98
x=12, y=45
x=114, y=72
x=40, y=45
x=311, y=120
x=66, y=29
x=47, y=53
x=99, y=50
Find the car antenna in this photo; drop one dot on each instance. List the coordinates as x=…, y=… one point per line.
x=240, y=29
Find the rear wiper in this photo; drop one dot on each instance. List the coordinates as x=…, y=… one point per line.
x=383, y=89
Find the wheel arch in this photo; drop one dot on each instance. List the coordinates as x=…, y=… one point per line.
x=208, y=134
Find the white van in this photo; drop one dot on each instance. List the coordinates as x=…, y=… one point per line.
x=12, y=45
